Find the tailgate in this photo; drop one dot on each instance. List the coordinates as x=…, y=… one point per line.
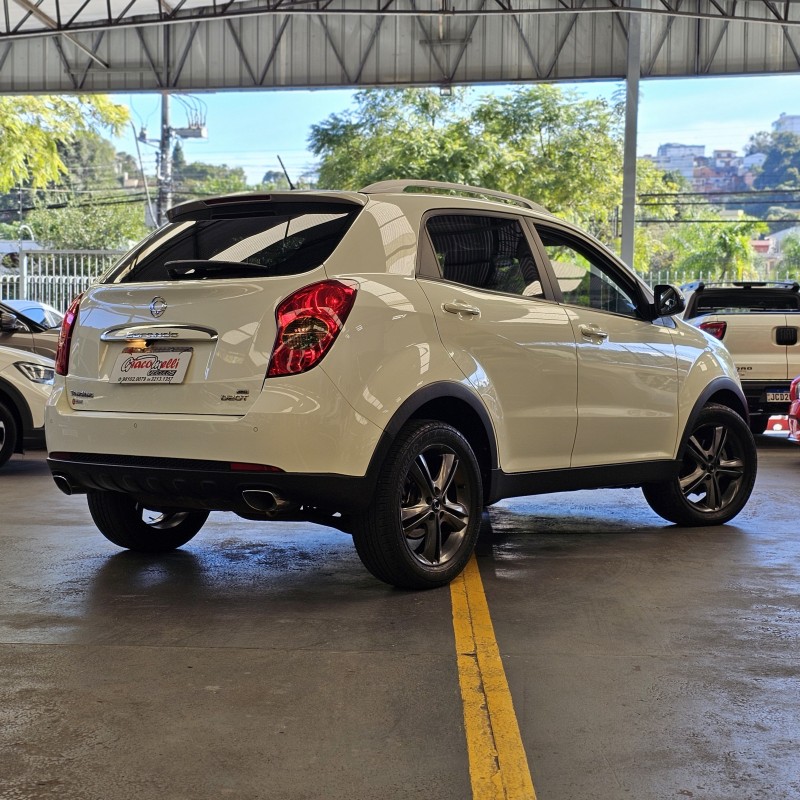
x=182, y=348
x=185, y=322
x=754, y=341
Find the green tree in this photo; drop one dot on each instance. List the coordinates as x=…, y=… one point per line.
x=89, y=208
x=781, y=169
x=790, y=254
x=719, y=249
x=197, y=179
x=661, y=212
x=101, y=223
x=32, y=128
x=551, y=145
x=273, y=179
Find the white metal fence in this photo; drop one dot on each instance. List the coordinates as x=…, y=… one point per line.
x=54, y=276
x=680, y=277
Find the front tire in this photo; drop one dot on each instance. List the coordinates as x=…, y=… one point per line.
x=8, y=434
x=421, y=526
x=127, y=523
x=717, y=474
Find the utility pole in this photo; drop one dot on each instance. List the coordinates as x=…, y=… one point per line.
x=164, y=201
x=634, y=72
x=195, y=129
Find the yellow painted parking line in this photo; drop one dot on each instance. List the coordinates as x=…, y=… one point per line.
x=498, y=767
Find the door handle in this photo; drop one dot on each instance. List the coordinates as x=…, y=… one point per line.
x=461, y=308
x=593, y=332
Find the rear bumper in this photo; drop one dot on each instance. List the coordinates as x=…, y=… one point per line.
x=169, y=483
x=756, y=394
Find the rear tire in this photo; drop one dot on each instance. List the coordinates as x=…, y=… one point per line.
x=758, y=423
x=127, y=523
x=8, y=434
x=717, y=474
x=420, y=529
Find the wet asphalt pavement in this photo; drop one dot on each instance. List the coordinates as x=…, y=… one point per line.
x=645, y=661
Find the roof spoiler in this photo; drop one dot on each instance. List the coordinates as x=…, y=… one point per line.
x=253, y=204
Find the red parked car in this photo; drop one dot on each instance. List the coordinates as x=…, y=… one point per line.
x=794, y=409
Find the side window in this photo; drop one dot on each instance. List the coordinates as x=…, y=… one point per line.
x=484, y=252
x=584, y=279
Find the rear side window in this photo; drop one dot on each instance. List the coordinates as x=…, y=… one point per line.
x=263, y=245
x=485, y=253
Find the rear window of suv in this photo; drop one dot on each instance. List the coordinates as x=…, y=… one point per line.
x=283, y=242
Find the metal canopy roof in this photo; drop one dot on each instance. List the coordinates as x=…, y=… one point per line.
x=192, y=45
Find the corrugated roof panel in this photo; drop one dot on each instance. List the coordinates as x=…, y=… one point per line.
x=347, y=42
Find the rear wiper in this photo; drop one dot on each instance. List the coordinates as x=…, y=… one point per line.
x=198, y=269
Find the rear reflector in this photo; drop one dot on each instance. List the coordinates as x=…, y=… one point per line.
x=240, y=466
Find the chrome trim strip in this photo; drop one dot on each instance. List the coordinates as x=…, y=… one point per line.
x=165, y=333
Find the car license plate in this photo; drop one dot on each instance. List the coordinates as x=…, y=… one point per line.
x=777, y=396
x=154, y=365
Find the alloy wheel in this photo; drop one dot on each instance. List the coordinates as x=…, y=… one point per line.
x=435, y=506
x=713, y=468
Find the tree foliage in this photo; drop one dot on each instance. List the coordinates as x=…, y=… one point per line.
x=790, y=254
x=781, y=169
x=197, y=179
x=553, y=146
x=32, y=128
x=103, y=223
x=719, y=249
x=88, y=208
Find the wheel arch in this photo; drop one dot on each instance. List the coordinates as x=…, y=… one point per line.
x=456, y=405
x=722, y=391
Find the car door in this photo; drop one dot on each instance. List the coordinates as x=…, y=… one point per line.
x=627, y=367
x=514, y=344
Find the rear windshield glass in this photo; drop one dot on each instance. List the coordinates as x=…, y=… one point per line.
x=743, y=302
x=238, y=247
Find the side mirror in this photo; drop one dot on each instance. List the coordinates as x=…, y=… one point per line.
x=667, y=301
x=10, y=324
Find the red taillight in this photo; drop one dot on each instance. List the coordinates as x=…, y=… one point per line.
x=716, y=329
x=65, y=337
x=794, y=389
x=308, y=323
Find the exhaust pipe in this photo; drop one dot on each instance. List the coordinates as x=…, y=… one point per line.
x=261, y=500
x=63, y=483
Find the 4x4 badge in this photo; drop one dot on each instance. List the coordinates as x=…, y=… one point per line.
x=158, y=306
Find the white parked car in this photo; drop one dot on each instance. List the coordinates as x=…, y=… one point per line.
x=26, y=380
x=388, y=362
x=42, y=313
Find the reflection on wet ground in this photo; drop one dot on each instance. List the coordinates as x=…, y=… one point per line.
x=644, y=660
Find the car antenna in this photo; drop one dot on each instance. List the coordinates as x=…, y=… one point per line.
x=291, y=185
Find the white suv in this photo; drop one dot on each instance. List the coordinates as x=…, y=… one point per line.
x=25, y=383
x=388, y=362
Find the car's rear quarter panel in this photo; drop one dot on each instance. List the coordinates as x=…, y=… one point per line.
x=390, y=347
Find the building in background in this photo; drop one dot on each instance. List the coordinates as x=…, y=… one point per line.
x=787, y=123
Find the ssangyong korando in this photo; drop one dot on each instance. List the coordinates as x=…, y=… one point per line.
x=388, y=362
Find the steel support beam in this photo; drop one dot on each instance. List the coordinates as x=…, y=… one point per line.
x=631, y=127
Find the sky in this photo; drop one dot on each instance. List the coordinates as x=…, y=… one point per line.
x=251, y=129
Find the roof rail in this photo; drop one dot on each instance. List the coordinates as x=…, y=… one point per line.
x=402, y=185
